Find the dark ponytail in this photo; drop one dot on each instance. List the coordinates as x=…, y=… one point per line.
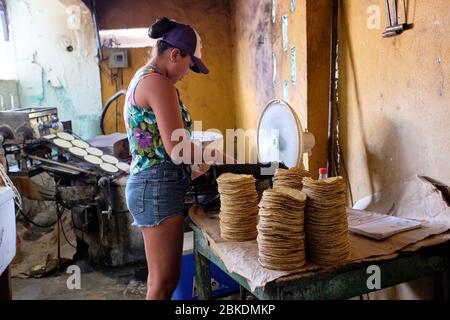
x=159, y=28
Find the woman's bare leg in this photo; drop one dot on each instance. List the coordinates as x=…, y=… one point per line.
x=163, y=249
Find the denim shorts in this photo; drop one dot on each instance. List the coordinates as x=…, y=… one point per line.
x=157, y=193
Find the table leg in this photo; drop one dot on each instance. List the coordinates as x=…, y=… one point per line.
x=447, y=284
x=202, y=276
x=6, y=285
x=439, y=285
x=243, y=293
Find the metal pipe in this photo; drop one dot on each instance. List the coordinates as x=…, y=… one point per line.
x=332, y=115
x=11, y=97
x=58, y=236
x=394, y=4
x=67, y=166
x=97, y=31
x=388, y=13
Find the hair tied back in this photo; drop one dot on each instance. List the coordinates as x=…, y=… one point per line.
x=160, y=27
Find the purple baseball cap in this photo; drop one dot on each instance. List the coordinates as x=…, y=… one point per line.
x=185, y=37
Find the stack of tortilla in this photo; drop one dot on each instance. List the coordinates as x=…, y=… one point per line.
x=326, y=225
x=281, y=237
x=291, y=178
x=238, y=207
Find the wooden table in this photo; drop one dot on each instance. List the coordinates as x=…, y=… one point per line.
x=342, y=283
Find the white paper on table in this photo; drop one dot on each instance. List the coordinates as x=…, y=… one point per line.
x=378, y=226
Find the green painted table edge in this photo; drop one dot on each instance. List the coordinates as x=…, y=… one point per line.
x=343, y=283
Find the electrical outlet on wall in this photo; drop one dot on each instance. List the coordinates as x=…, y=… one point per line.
x=118, y=58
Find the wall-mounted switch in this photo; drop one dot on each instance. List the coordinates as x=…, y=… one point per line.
x=118, y=58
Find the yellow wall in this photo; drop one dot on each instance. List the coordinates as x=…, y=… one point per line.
x=393, y=92
x=210, y=98
x=296, y=37
x=395, y=104
x=252, y=58
x=239, y=40
x=253, y=64
x=136, y=57
x=318, y=26
x=395, y=96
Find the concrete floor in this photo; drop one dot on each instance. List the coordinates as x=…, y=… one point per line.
x=97, y=283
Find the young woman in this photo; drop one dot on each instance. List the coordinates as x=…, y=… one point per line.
x=158, y=182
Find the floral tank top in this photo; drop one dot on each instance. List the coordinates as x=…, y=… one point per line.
x=146, y=146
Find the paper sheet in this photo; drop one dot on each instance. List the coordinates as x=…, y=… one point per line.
x=379, y=226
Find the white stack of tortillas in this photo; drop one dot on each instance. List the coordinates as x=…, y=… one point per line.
x=79, y=152
x=110, y=159
x=62, y=143
x=281, y=237
x=238, y=207
x=94, y=151
x=108, y=167
x=49, y=136
x=291, y=178
x=125, y=167
x=80, y=144
x=326, y=223
x=65, y=136
x=93, y=159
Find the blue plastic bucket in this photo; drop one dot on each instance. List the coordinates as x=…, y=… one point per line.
x=221, y=283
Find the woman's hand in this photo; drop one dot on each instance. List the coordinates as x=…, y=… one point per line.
x=198, y=170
